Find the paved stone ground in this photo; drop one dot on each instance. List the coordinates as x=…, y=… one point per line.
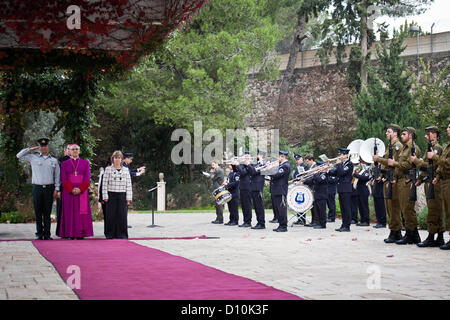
x=313, y=264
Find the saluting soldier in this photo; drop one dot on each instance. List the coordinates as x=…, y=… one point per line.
x=402, y=172
x=435, y=217
x=232, y=185
x=46, y=182
x=443, y=175
x=392, y=205
x=279, y=188
x=343, y=171
x=244, y=190
x=256, y=187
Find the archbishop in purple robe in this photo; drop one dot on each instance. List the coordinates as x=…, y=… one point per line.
x=76, y=218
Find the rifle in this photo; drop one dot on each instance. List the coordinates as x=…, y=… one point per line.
x=430, y=173
x=390, y=173
x=413, y=177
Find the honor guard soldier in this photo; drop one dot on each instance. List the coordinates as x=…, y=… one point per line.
x=362, y=190
x=392, y=199
x=435, y=217
x=404, y=170
x=443, y=175
x=301, y=167
x=232, y=185
x=244, y=190
x=343, y=172
x=256, y=187
x=279, y=189
x=320, y=187
x=46, y=183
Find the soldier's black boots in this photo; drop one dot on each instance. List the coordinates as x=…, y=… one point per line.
x=445, y=246
x=410, y=237
x=440, y=239
x=393, y=236
x=428, y=242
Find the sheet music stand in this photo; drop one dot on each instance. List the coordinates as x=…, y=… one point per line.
x=153, y=225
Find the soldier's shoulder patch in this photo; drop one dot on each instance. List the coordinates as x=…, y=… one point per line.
x=237, y=178
x=281, y=170
x=436, y=151
x=397, y=147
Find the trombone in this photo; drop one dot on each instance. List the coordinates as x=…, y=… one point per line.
x=240, y=159
x=311, y=172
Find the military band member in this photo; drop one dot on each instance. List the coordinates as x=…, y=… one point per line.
x=311, y=163
x=435, y=217
x=279, y=189
x=378, y=202
x=443, y=175
x=392, y=205
x=331, y=201
x=354, y=202
x=244, y=190
x=301, y=167
x=402, y=172
x=217, y=178
x=320, y=187
x=343, y=172
x=256, y=187
x=362, y=190
x=232, y=185
x=46, y=183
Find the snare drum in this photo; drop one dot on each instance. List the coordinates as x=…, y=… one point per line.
x=222, y=195
x=299, y=198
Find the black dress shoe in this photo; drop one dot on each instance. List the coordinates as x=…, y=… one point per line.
x=217, y=222
x=80, y=238
x=320, y=227
x=445, y=246
x=231, y=223
x=274, y=221
x=300, y=222
x=38, y=237
x=280, y=229
x=330, y=220
x=363, y=224
x=130, y=227
x=343, y=229
x=354, y=222
x=258, y=227
x=48, y=238
x=245, y=225
x=379, y=225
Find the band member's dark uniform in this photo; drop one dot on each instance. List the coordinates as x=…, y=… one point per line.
x=256, y=188
x=344, y=171
x=245, y=195
x=331, y=201
x=233, y=204
x=320, y=188
x=279, y=189
x=362, y=190
x=378, y=203
x=301, y=167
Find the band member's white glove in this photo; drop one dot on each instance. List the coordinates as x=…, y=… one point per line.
x=206, y=174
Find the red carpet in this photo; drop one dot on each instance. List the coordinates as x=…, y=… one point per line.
x=123, y=270
x=144, y=238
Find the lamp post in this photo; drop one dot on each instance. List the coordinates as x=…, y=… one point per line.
x=431, y=38
x=417, y=30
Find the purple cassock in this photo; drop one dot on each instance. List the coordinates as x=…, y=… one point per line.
x=76, y=218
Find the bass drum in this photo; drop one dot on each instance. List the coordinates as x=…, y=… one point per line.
x=222, y=195
x=299, y=198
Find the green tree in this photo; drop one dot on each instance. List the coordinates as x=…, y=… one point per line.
x=387, y=98
x=432, y=98
x=200, y=74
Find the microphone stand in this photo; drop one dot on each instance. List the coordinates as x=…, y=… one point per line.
x=152, y=190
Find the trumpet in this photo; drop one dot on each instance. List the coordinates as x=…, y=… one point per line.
x=311, y=172
x=238, y=159
x=268, y=165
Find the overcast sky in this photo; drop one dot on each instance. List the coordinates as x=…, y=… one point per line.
x=439, y=13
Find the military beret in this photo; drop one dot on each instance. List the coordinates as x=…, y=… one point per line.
x=43, y=141
x=432, y=129
x=394, y=126
x=127, y=155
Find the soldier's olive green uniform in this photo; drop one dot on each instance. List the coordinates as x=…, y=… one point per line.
x=401, y=167
x=392, y=205
x=435, y=218
x=443, y=175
